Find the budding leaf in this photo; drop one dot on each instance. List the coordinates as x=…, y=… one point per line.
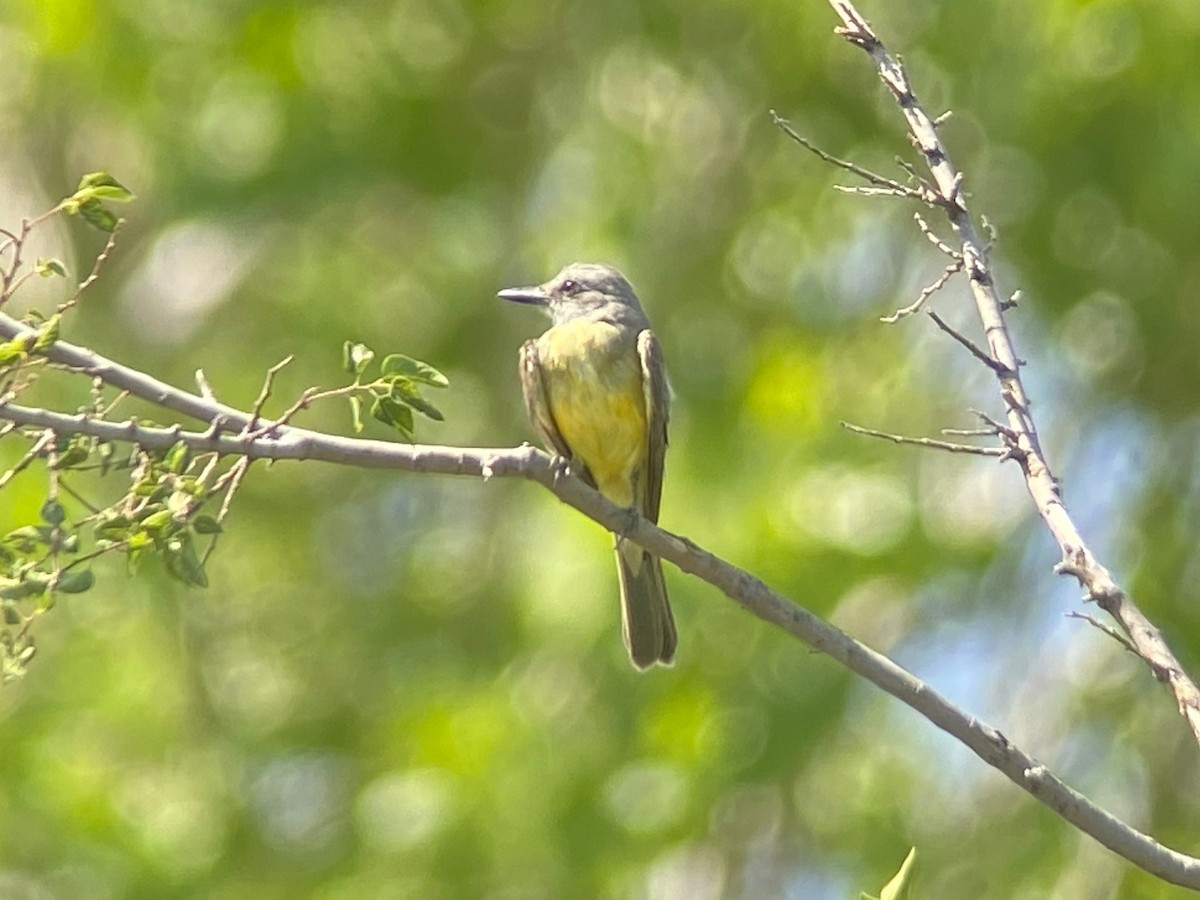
x=399, y=364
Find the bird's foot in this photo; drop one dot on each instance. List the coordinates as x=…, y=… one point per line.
x=560, y=468
x=632, y=516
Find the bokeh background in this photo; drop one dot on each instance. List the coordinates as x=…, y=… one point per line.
x=413, y=687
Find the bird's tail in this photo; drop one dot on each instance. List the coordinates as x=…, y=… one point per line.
x=646, y=621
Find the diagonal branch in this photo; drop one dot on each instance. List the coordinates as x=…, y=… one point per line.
x=289, y=442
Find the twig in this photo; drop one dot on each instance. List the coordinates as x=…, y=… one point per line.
x=30, y=455
x=995, y=365
x=1106, y=628
x=71, y=301
x=265, y=392
x=915, y=307
x=882, y=183
x=948, y=446
x=934, y=239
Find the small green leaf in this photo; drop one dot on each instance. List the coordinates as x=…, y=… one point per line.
x=26, y=539
x=406, y=392
x=102, y=186
x=74, y=455
x=53, y=512
x=356, y=357
x=48, y=333
x=183, y=562
x=900, y=887
x=206, y=524
x=17, y=348
x=76, y=582
x=177, y=458
x=50, y=267
x=399, y=364
x=158, y=521
x=139, y=541
x=356, y=413
x=98, y=217
x=113, y=526
x=397, y=415
x=32, y=586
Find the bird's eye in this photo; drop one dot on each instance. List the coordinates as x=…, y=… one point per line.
x=569, y=287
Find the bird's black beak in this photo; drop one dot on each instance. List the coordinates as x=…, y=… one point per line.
x=535, y=295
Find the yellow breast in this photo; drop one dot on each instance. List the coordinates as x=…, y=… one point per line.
x=593, y=383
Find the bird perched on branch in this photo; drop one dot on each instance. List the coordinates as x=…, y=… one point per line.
x=596, y=393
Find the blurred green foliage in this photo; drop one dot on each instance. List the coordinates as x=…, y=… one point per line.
x=401, y=686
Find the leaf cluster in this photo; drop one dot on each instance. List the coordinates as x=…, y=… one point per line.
x=395, y=393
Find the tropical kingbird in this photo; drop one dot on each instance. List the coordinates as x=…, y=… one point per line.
x=596, y=393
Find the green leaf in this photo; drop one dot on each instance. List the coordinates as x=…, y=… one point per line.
x=113, y=526
x=158, y=521
x=26, y=539
x=102, y=186
x=900, y=887
x=98, y=217
x=183, y=562
x=397, y=415
x=206, y=524
x=50, y=267
x=356, y=413
x=11, y=351
x=74, y=455
x=406, y=392
x=177, y=458
x=11, y=589
x=356, y=358
x=48, y=333
x=76, y=582
x=399, y=364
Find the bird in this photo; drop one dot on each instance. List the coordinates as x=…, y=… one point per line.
x=596, y=393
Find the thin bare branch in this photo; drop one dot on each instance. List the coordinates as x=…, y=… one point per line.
x=39, y=447
x=97, y=266
x=932, y=444
x=932, y=237
x=888, y=185
x=1106, y=628
x=929, y=290
x=995, y=365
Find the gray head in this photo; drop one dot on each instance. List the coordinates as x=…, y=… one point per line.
x=584, y=290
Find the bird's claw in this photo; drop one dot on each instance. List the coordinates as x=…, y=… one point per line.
x=560, y=468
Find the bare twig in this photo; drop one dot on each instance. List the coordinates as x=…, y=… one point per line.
x=881, y=183
x=97, y=266
x=39, y=446
x=993, y=364
x=929, y=290
x=1106, y=628
x=932, y=237
x=948, y=446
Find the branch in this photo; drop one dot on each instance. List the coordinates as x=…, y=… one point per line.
x=289, y=442
x=1078, y=559
x=932, y=444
